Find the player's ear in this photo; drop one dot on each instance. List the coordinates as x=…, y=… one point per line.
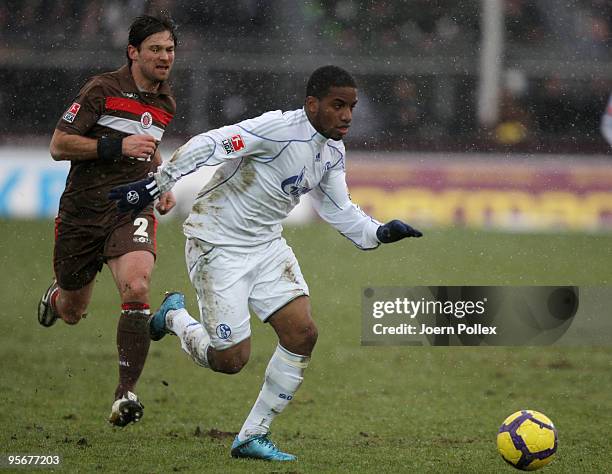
x=312, y=104
x=132, y=52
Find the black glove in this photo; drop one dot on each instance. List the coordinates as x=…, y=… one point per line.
x=396, y=230
x=135, y=196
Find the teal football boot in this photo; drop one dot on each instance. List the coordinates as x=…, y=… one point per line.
x=259, y=447
x=157, y=323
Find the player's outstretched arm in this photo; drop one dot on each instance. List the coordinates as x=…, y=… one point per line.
x=166, y=201
x=396, y=230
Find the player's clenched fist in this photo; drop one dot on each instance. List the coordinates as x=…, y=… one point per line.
x=166, y=203
x=140, y=147
x=396, y=230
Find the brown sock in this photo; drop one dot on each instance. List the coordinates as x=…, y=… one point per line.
x=133, y=342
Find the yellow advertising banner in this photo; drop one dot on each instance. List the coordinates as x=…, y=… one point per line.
x=516, y=195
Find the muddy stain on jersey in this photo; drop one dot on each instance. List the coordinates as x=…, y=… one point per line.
x=247, y=174
x=288, y=273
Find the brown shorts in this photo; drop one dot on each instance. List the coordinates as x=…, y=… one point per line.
x=81, y=250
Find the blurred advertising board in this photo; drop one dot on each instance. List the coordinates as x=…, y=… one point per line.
x=537, y=193
x=514, y=193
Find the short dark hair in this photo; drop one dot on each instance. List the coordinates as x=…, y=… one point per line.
x=144, y=26
x=322, y=79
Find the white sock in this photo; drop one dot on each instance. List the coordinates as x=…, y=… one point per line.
x=284, y=376
x=194, y=338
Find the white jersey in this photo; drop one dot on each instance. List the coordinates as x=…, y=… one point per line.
x=267, y=163
x=606, y=122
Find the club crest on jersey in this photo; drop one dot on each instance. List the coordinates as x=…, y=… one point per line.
x=72, y=112
x=293, y=185
x=146, y=120
x=223, y=331
x=232, y=144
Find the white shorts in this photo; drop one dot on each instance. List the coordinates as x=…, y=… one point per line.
x=229, y=280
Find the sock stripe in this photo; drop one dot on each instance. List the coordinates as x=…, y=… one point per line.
x=134, y=306
x=294, y=360
x=297, y=365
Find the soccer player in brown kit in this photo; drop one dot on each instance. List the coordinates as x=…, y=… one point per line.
x=110, y=134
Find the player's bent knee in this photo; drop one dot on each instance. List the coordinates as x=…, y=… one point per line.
x=136, y=290
x=309, y=335
x=229, y=361
x=300, y=340
x=72, y=314
x=229, y=366
x=72, y=319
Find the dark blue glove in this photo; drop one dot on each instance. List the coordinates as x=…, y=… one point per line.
x=135, y=196
x=396, y=230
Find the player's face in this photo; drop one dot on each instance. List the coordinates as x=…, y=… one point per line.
x=331, y=116
x=155, y=57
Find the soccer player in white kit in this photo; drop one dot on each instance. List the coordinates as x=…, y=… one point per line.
x=236, y=256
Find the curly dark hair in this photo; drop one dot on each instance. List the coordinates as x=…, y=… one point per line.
x=322, y=79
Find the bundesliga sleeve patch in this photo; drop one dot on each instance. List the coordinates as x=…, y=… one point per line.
x=235, y=143
x=72, y=112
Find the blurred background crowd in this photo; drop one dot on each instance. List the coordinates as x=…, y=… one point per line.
x=416, y=61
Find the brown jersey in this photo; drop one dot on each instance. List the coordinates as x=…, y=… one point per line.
x=110, y=104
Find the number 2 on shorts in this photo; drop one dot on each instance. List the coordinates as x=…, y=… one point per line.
x=142, y=225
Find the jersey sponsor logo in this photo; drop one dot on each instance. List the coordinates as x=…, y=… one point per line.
x=72, y=112
x=130, y=95
x=233, y=144
x=223, y=331
x=318, y=158
x=293, y=185
x=227, y=146
x=237, y=142
x=146, y=120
